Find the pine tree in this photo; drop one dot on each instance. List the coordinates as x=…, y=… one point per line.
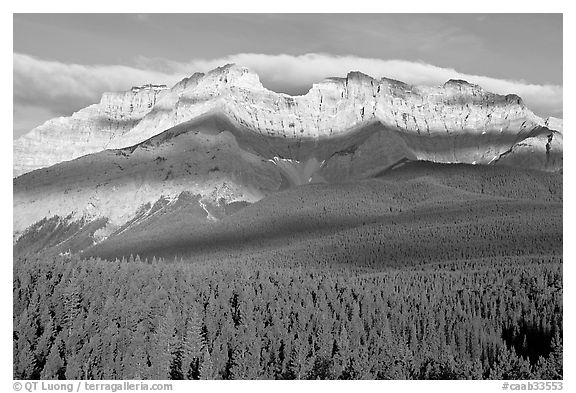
x=45, y=341
x=72, y=302
x=247, y=352
x=300, y=363
x=73, y=368
x=552, y=366
x=165, y=346
x=139, y=363
x=342, y=356
x=510, y=366
x=54, y=367
x=192, y=346
x=207, y=368
x=26, y=362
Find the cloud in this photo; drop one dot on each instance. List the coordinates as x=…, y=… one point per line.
x=59, y=89
x=62, y=88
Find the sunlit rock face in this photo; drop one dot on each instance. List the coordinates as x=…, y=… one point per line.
x=224, y=138
x=116, y=184
x=86, y=131
x=541, y=151
x=456, y=122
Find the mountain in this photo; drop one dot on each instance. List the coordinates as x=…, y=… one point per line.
x=456, y=122
x=367, y=229
x=215, y=143
x=86, y=131
x=198, y=157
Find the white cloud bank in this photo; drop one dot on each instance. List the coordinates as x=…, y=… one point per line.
x=65, y=87
x=61, y=88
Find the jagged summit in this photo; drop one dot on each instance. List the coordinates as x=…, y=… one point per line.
x=332, y=108
x=359, y=76
x=460, y=82
x=232, y=75
x=224, y=138
x=149, y=86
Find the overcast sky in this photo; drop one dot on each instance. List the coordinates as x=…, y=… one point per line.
x=63, y=62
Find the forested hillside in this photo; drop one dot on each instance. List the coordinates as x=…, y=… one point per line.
x=486, y=318
x=429, y=271
x=419, y=212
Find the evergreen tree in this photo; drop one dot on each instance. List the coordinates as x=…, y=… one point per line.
x=165, y=346
x=139, y=363
x=54, y=367
x=192, y=346
x=207, y=368
x=551, y=367
x=45, y=341
x=510, y=366
x=26, y=362
x=72, y=302
x=342, y=356
x=73, y=368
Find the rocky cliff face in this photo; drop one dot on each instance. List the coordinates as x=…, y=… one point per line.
x=86, y=131
x=449, y=117
x=456, y=122
x=223, y=138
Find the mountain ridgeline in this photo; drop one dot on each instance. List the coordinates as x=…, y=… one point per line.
x=456, y=122
x=219, y=230
x=225, y=139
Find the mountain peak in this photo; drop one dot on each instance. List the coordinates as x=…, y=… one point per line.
x=457, y=82
x=332, y=108
x=149, y=86
x=359, y=76
x=231, y=75
x=231, y=69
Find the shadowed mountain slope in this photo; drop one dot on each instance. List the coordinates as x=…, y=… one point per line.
x=221, y=139
x=417, y=212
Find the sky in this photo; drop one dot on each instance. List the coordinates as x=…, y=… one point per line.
x=64, y=62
